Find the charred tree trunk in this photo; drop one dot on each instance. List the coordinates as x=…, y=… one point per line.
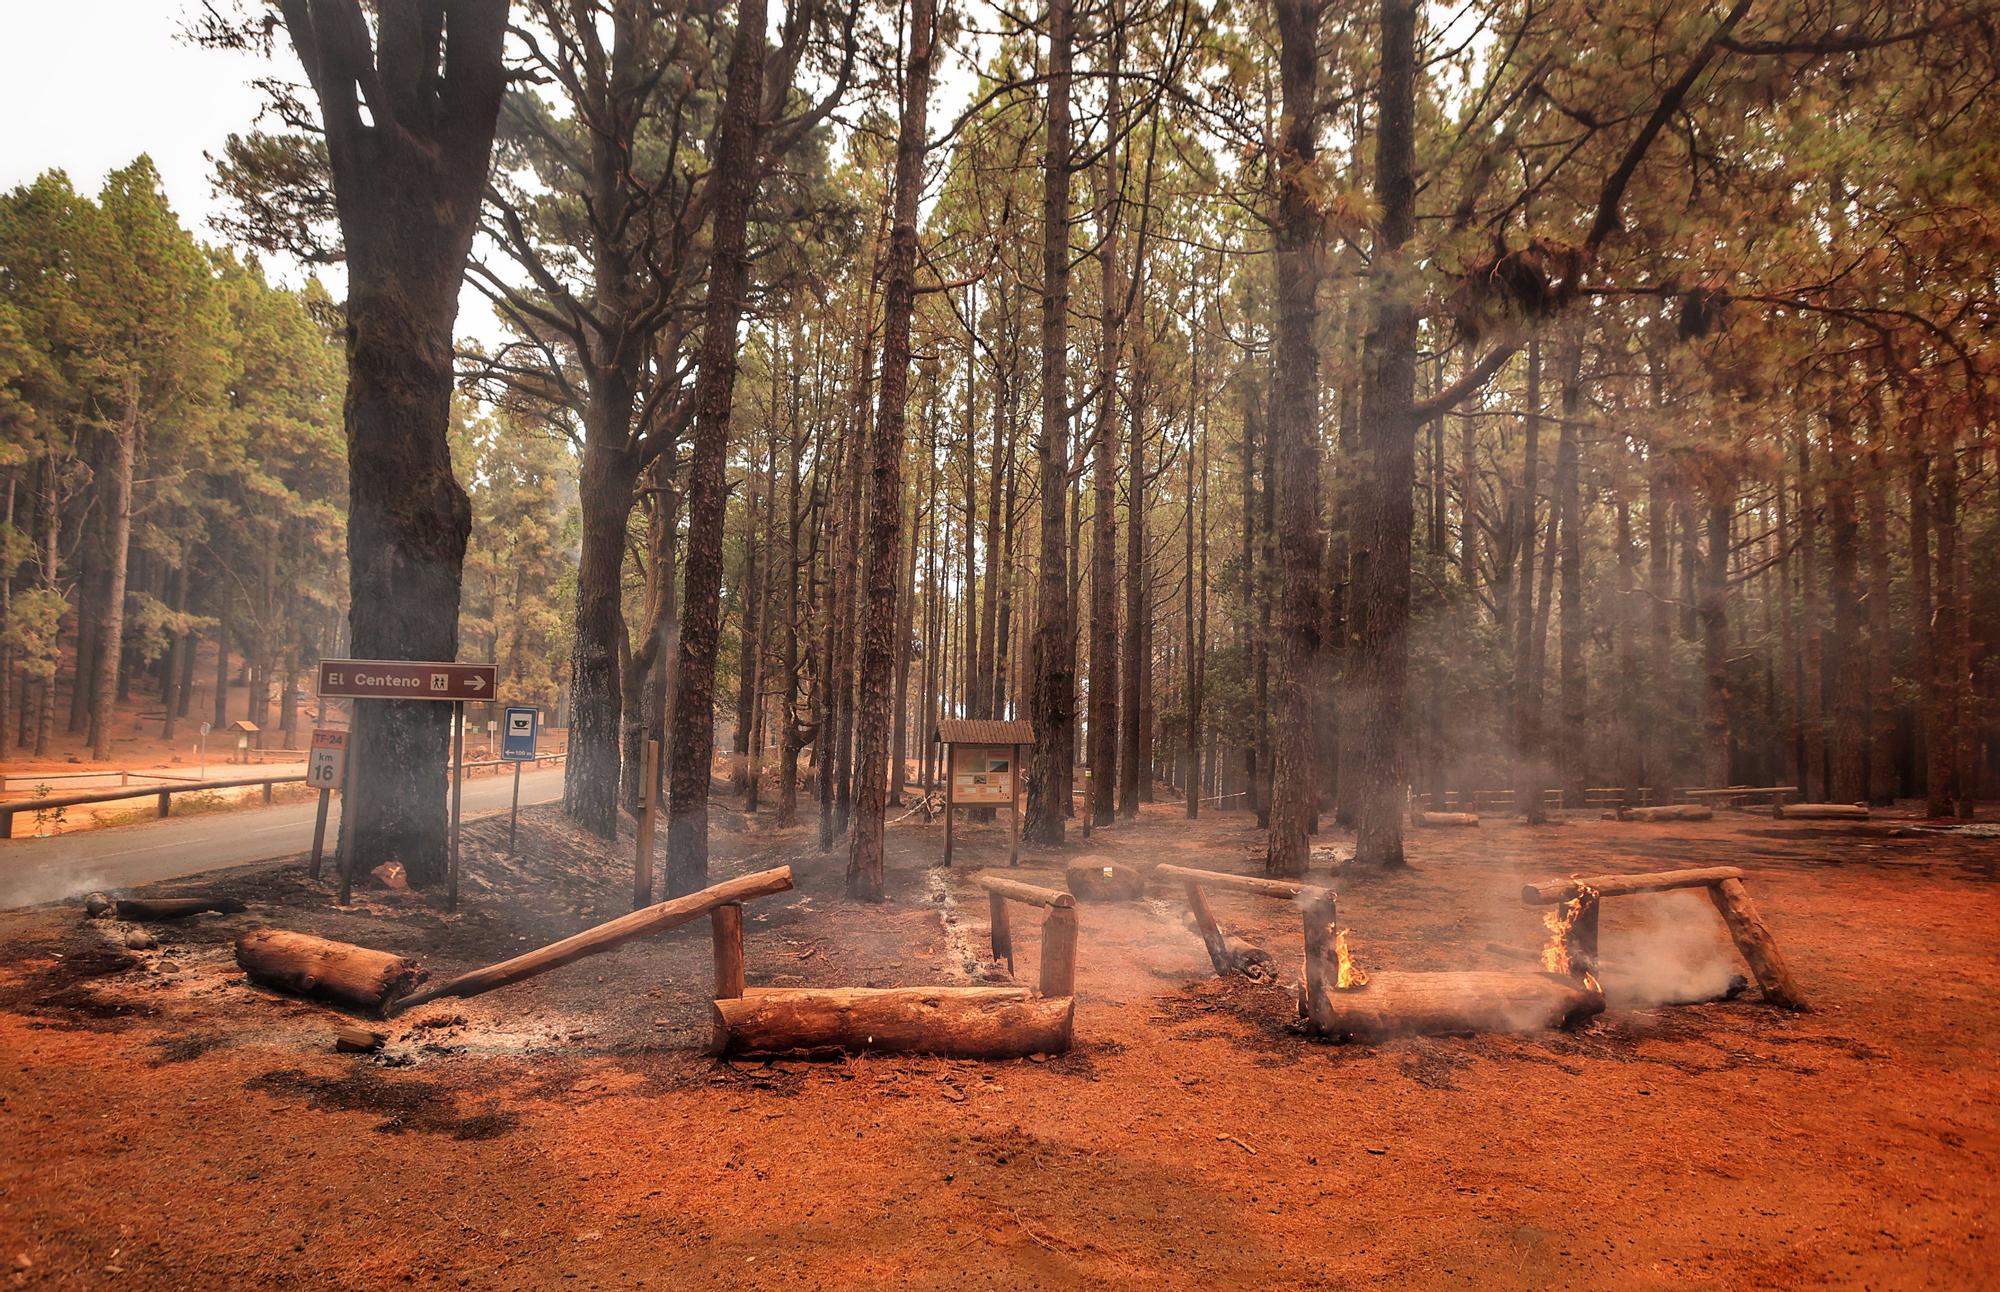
x=1294, y=435
x=408, y=177
x=1388, y=444
x=607, y=479
x=118, y=545
x=1105, y=770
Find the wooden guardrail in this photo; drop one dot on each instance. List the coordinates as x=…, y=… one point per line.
x=165, y=793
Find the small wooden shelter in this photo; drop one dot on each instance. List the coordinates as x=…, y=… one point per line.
x=982, y=762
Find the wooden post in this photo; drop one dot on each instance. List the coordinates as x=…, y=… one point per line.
x=1089, y=798
x=341, y=863
x=457, y=797
x=1003, y=931
x=1322, y=915
x=642, y=860
x=1753, y=939
x=514, y=810
x=1014, y=807
x=319, y=832
x=947, y=803
x=726, y=924
x=166, y=803
x=1211, y=932
x=1059, y=952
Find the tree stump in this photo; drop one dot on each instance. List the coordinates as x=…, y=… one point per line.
x=1092, y=880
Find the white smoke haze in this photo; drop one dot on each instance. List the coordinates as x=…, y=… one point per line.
x=1664, y=949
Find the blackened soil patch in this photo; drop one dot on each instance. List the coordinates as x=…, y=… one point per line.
x=409, y=1105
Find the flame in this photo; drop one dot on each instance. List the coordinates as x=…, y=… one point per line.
x=1559, y=921
x=1350, y=975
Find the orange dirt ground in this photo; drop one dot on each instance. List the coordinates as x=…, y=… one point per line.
x=164, y=1124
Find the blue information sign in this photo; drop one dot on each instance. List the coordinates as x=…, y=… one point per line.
x=517, y=737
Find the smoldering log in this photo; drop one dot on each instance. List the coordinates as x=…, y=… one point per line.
x=950, y=1022
x=1017, y=890
x=1443, y=820
x=1669, y=812
x=648, y=919
x=175, y=908
x=1759, y=948
x=1550, y=891
x=1431, y=1004
x=1614, y=972
x=337, y=972
x=1228, y=953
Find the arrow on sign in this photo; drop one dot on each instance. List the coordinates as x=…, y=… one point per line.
x=476, y=683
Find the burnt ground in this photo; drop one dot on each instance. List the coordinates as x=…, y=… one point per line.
x=162, y=1123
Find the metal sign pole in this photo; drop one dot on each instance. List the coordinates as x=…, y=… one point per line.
x=514, y=811
x=343, y=853
x=457, y=798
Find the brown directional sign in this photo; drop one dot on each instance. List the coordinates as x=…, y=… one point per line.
x=406, y=679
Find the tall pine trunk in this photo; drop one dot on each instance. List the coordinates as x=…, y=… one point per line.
x=879, y=616
x=692, y=732
x=1294, y=433
x=1052, y=674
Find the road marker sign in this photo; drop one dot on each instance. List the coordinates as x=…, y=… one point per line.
x=326, y=759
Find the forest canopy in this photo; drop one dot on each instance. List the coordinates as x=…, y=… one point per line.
x=1287, y=405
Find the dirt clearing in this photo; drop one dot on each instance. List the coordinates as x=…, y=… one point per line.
x=163, y=1123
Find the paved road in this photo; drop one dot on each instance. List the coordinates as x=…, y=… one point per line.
x=47, y=870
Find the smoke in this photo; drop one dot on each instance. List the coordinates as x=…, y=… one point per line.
x=52, y=884
x=1664, y=949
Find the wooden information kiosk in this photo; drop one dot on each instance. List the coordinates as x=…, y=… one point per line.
x=982, y=760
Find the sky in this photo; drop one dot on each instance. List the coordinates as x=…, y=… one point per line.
x=87, y=85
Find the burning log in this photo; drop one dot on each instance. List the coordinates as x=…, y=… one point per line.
x=1822, y=811
x=647, y=919
x=1437, y=820
x=1572, y=946
x=1430, y=1004
x=338, y=972
x=1670, y=812
x=175, y=908
x=951, y=1022
x=1550, y=891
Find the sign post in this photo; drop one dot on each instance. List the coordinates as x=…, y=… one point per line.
x=407, y=679
x=517, y=746
x=642, y=865
x=326, y=763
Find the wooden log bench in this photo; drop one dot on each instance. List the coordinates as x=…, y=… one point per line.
x=1724, y=885
x=1821, y=811
x=1443, y=820
x=1743, y=795
x=1433, y=1004
x=1228, y=953
x=1665, y=812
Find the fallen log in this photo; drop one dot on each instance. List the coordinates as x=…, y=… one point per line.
x=951, y=1022
x=1228, y=953
x=1822, y=811
x=1104, y=881
x=1759, y=948
x=337, y=972
x=1032, y=894
x=1430, y=1004
x=1437, y=820
x=611, y=933
x=175, y=908
x=1551, y=891
x=1286, y=889
x=1670, y=812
